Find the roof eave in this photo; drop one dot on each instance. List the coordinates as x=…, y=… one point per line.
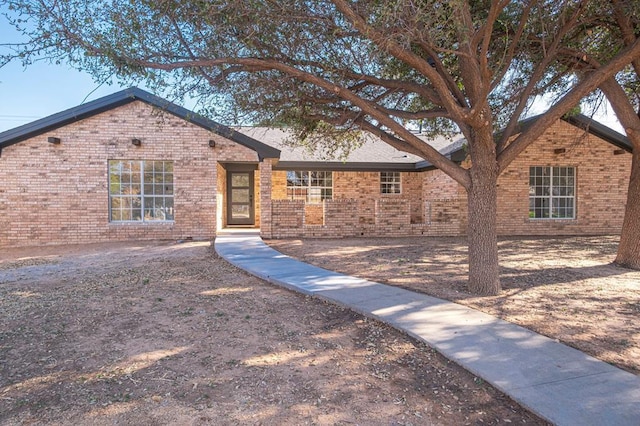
x=600, y=130
x=63, y=118
x=52, y=122
x=346, y=167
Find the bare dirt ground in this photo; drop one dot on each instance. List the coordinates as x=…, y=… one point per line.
x=564, y=288
x=170, y=334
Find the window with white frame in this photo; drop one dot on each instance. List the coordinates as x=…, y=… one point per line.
x=552, y=192
x=311, y=186
x=140, y=191
x=390, y=183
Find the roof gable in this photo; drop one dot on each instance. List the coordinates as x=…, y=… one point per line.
x=38, y=127
x=578, y=120
x=588, y=124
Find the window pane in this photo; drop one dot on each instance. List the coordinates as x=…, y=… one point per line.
x=135, y=189
x=135, y=177
x=390, y=183
x=311, y=186
x=168, y=208
x=125, y=214
x=551, y=192
x=239, y=180
x=240, y=211
x=239, y=195
x=152, y=188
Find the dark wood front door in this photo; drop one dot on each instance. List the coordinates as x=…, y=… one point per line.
x=240, y=208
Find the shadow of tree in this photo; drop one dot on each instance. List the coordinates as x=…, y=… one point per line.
x=565, y=288
x=173, y=335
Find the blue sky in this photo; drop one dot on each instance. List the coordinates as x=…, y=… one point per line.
x=42, y=89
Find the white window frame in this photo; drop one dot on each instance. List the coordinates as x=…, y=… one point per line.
x=552, y=192
x=312, y=186
x=390, y=183
x=141, y=191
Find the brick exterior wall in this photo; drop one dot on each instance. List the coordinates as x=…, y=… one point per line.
x=279, y=185
x=339, y=218
x=54, y=194
x=434, y=204
x=364, y=187
x=265, y=172
x=393, y=215
x=287, y=219
x=446, y=216
x=602, y=180
x=412, y=191
x=314, y=214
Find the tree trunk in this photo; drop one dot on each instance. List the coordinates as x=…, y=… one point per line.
x=629, y=248
x=484, y=278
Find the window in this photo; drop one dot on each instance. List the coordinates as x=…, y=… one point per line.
x=313, y=187
x=390, y=183
x=140, y=191
x=552, y=192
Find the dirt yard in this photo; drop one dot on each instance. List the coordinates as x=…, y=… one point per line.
x=564, y=288
x=170, y=334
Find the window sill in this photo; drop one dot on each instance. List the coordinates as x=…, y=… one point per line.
x=552, y=219
x=142, y=223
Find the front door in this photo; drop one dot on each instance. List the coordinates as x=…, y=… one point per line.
x=240, y=210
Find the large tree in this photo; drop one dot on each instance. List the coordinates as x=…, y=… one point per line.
x=334, y=66
x=617, y=25
x=623, y=94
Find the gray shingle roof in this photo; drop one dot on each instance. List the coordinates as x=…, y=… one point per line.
x=373, y=154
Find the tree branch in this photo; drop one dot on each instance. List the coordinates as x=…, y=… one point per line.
x=419, y=64
x=549, y=56
x=583, y=88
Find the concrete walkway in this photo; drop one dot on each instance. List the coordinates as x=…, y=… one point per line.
x=558, y=383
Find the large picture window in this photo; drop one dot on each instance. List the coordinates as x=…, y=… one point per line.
x=390, y=183
x=552, y=192
x=313, y=187
x=140, y=191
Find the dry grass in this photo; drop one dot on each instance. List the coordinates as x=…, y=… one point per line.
x=169, y=334
x=564, y=288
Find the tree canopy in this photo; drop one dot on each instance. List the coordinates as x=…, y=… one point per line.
x=331, y=67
